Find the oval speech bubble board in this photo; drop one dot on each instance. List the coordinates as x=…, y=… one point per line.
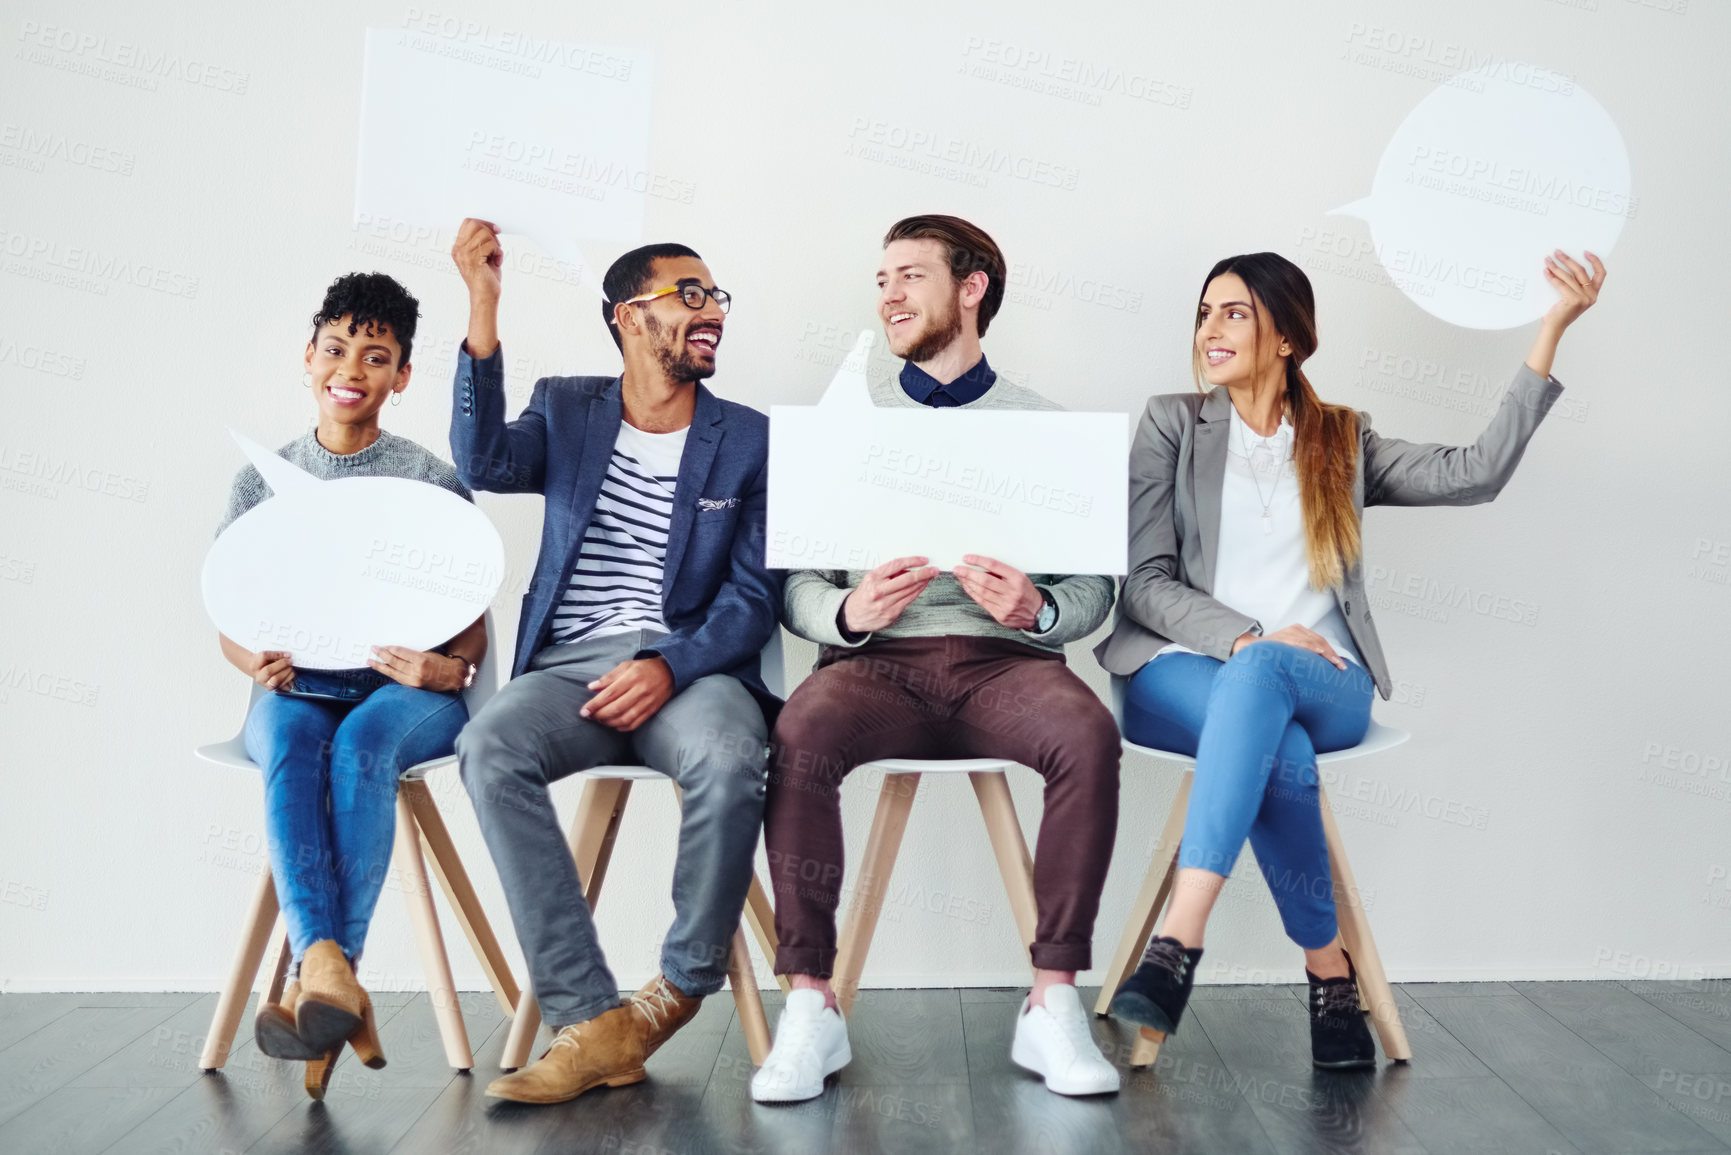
x=1485, y=177
x=327, y=569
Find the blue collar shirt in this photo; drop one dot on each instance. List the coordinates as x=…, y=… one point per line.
x=928, y=390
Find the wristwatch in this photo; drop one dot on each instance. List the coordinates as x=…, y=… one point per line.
x=1048, y=615
x=469, y=670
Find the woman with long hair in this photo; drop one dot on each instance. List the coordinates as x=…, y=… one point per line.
x=1243, y=626
x=332, y=743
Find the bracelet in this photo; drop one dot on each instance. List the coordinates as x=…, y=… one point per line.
x=468, y=667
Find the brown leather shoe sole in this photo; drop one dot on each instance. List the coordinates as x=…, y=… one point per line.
x=512, y=1094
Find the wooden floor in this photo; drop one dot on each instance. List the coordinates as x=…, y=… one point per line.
x=1497, y=1068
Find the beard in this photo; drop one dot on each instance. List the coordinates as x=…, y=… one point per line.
x=679, y=366
x=941, y=329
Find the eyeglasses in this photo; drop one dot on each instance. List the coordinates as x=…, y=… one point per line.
x=692, y=295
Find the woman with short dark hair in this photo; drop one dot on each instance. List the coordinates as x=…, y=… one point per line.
x=332, y=743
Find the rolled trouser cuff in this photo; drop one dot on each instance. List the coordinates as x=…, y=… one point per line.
x=818, y=962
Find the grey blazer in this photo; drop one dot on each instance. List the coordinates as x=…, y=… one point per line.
x=1177, y=468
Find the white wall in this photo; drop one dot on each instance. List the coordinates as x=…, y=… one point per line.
x=1550, y=839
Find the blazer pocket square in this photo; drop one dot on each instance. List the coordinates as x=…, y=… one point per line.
x=709, y=504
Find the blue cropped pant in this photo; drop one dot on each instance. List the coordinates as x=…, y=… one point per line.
x=1255, y=725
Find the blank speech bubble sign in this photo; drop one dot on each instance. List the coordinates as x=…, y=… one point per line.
x=852, y=485
x=1486, y=176
x=327, y=569
x=546, y=139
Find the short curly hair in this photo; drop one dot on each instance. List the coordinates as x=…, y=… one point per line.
x=375, y=300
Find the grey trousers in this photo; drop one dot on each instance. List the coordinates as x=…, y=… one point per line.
x=710, y=738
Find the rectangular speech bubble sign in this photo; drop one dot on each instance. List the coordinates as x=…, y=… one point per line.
x=852, y=485
x=545, y=139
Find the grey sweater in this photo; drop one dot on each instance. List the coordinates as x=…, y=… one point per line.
x=389, y=456
x=813, y=597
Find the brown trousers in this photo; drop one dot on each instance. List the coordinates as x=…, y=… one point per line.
x=941, y=697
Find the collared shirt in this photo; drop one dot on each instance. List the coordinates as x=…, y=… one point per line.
x=928, y=390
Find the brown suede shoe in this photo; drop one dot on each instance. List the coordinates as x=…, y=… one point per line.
x=275, y=1032
x=331, y=1002
x=605, y=1049
x=662, y=1008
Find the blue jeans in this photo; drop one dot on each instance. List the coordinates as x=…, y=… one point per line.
x=1255, y=725
x=330, y=766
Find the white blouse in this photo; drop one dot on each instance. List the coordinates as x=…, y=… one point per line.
x=1262, y=568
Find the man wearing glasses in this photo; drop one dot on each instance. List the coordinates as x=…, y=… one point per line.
x=638, y=643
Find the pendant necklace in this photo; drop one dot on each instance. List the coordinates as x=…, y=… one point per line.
x=1268, y=502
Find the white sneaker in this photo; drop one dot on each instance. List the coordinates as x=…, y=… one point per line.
x=1053, y=1042
x=810, y=1045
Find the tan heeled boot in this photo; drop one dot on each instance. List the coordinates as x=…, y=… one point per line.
x=333, y=1007
x=274, y=1028
x=365, y=1040
x=319, y=1070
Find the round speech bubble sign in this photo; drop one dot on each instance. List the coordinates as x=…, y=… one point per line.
x=1487, y=175
x=327, y=569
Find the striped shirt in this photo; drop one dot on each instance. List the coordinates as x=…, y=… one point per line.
x=616, y=585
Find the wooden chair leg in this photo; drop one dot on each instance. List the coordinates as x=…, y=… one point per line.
x=747, y=1000
x=447, y=867
x=760, y=916
x=283, y=954
x=418, y=894
x=1150, y=900
x=992, y=789
x=520, y=1040
x=594, y=830
x=600, y=809
x=255, y=934
x=895, y=800
x=1355, y=935
x=1147, y=1047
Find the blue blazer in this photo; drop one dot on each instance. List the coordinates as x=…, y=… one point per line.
x=717, y=598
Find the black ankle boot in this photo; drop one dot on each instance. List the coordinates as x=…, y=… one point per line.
x=1339, y=1036
x=1155, y=995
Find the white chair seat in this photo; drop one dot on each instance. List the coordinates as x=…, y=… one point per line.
x=940, y=765
x=233, y=755
x=625, y=773
x=1376, y=739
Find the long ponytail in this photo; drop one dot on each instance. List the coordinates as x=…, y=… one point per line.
x=1325, y=456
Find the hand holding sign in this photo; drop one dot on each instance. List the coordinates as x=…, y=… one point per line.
x=325, y=570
